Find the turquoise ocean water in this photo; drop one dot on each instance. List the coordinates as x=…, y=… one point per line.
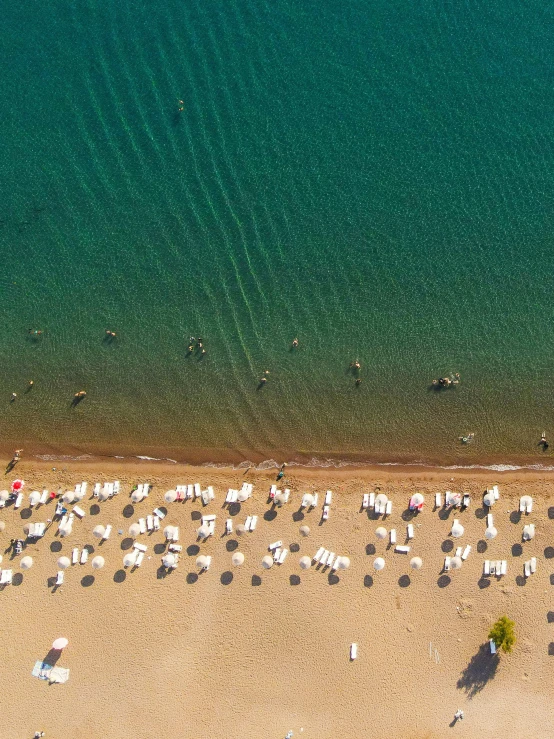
x=376, y=179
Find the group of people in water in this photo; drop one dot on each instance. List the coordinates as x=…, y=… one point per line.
x=450, y=381
x=196, y=345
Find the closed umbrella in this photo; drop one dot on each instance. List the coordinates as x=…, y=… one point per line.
x=237, y=559
x=456, y=563
x=98, y=562
x=98, y=531
x=381, y=532
x=68, y=497
x=416, y=563
x=130, y=558
x=202, y=562
x=343, y=563
x=63, y=563
x=26, y=563
x=134, y=530
x=169, y=560
x=305, y=563
x=170, y=496
x=203, y=531
x=457, y=530
x=241, y=529
x=267, y=562
x=305, y=530
x=490, y=532
x=34, y=498
x=60, y=644
x=489, y=499
x=379, y=563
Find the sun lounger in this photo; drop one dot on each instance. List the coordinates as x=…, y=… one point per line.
x=272, y=491
x=393, y=536
x=142, y=524
x=208, y=563
x=529, y=507
x=159, y=513
x=150, y=523
x=156, y=523
x=205, y=497
x=318, y=555
x=365, y=501
x=275, y=545
x=438, y=500
x=353, y=651
x=306, y=500
x=372, y=500
x=402, y=549
x=18, y=500
x=533, y=565
x=209, y=519
x=324, y=558
x=145, y=489
x=286, y=495
x=335, y=564
x=190, y=492
x=325, y=514
x=330, y=559
x=247, y=523
x=466, y=552
x=521, y=505
x=459, y=551
x=107, y=532
x=388, y=509
x=6, y=577
x=492, y=646
x=43, y=497
x=328, y=497
x=197, y=490
x=78, y=511
x=489, y=520
x=84, y=555
x=97, y=489
x=410, y=529
x=527, y=569
x=75, y=556
x=503, y=567
x=63, y=522
x=446, y=564
x=140, y=547
x=229, y=526
x=229, y=496
x=59, y=578
x=487, y=567
x=175, y=547
x=138, y=560
x=116, y=487
x=276, y=554
x=316, y=498
x=496, y=492
x=253, y=523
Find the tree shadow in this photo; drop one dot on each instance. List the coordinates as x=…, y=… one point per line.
x=87, y=581
x=444, y=581
x=368, y=581
x=404, y=581
x=128, y=511
x=126, y=543
x=481, y=668
x=517, y=550
x=447, y=546
x=482, y=546
x=192, y=577
x=270, y=515
x=256, y=581
x=294, y=580
x=226, y=577
x=370, y=549
x=119, y=576
x=231, y=545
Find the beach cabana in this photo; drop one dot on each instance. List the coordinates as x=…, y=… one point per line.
x=64, y=563
x=379, y=563
x=267, y=562
x=304, y=530
x=26, y=563
x=237, y=559
x=416, y=563
x=98, y=562
x=98, y=531
x=170, y=496
x=457, y=529
x=416, y=502
x=305, y=563
x=490, y=532
x=130, y=558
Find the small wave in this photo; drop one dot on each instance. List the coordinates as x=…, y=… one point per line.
x=63, y=457
x=154, y=459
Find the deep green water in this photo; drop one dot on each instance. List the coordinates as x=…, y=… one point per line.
x=374, y=178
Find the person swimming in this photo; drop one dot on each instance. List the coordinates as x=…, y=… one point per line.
x=294, y=343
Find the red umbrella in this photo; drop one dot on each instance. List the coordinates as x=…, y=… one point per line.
x=17, y=485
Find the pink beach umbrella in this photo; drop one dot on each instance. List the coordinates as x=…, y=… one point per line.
x=17, y=485
x=60, y=643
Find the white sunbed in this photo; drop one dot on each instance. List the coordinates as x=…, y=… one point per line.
x=159, y=513
x=43, y=497
x=496, y=492
x=142, y=525
x=138, y=560
x=388, y=508
x=521, y=505
x=107, y=532
x=229, y=526
x=328, y=497
x=276, y=554
x=248, y=522
x=533, y=565
x=197, y=490
x=438, y=500
x=97, y=489
x=498, y=567
x=272, y=491
x=6, y=577
x=116, y=487
x=325, y=514
x=316, y=498
x=459, y=551
x=318, y=555
x=393, y=536
x=75, y=556
x=253, y=523
x=59, y=578
x=175, y=547
x=410, y=529
x=84, y=555
x=504, y=567
x=353, y=651
x=208, y=519
x=466, y=552
x=492, y=567
x=529, y=507
x=402, y=549
x=275, y=545
x=18, y=500
x=40, y=529
x=286, y=495
x=228, y=497
x=331, y=559
x=208, y=563
x=446, y=564
x=140, y=547
x=324, y=558
x=492, y=646
x=78, y=511
x=487, y=567
x=190, y=492
x=145, y=489
x=372, y=500
x=156, y=523
x=365, y=501
x=205, y=497
x=150, y=523
x=306, y=501
x=489, y=520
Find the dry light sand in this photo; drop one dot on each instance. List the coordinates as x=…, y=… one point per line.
x=244, y=652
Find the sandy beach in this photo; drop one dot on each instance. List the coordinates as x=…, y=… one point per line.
x=245, y=652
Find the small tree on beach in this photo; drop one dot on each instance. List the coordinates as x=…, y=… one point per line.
x=502, y=634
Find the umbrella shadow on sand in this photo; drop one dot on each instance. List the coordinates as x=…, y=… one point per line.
x=480, y=669
x=53, y=656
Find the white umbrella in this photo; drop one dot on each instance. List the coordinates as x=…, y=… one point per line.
x=489, y=499
x=137, y=495
x=168, y=532
x=80, y=495
x=343, y=563
x=2, y=525
x=490, y=532
x=381, y=532
x=98, y=531
x=379, y=563
x=130, y=558
x=26, y=563
x=242, y=496
x=203, y=531
x=308, y=500
x=104, y=494
x=66, y=530
x=68, y=497
x=202, y=562
x=170, y=496
x=241, y=529
x=305, y=530
x=237, y=559
x=528, y=532
x=60, y=643
x=381, y=499
x=26, y=528
x=169, y=560
x=457, y=530
x=526, y=501
x=456, y=563
x=305, y=563
x=416, y=563
x=34, y=498
x=4, y=495
x=134, y=530
x=63, y=563
x=98, y=562
x=267, y=562
x=417, y=500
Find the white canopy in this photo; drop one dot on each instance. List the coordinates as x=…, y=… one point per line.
x=169, y=560
x=379, y=563
x=98, y=531
x=130, y=558
x=26, y=563
x=98, y=562
x=381, y=532
x=170, y=496
x=416, y=563
x=63, y=563
x=305, y=563
x=267, y=562
x=457, y=530
x=490, y=532
x=456, y=563
x=237, y=559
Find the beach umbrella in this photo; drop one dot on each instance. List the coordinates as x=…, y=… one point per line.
x=267, y=562
x=170, y=496
x=103, y=495
x=308, y=500
x=98, y=562
x=68, y=497
x=134, y=530
x=416, y=563
x=241, y=529
x=489, y=499
x=343, y=563
x=526, y=501
x=203, y=531
x=63, y=563
x=34, y=498
x=60, y=644
x=379, y=563
x=130, y=558
x=305, y=530
x=528, y=532
x=457, y=530
x=381, y=532
x=80, y=495
x=242, y=496
x=416, y=501
x=169, y=560
x=98, y=531
x=490, y=532
x=381, y=499
x=4, y=495
x=237, y=559
x=137, y=495
x=2, y=525
x=66, y=530
x=305, y=563
x=168, y=532
x=202, y=562
x=26, y=528
x=17, y=486
x=26, y=563
x=456, y=563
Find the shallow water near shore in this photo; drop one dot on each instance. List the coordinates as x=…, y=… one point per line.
x=375, y=181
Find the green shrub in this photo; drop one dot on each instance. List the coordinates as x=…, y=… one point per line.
x=502, y=634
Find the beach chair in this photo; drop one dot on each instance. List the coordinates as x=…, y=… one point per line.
x=529, y=506
x=43, y=497
x=97, y=489
x=229, y=526
x=150, y=523
x=325, y=514
x=190, y=492
x=138, y=560
x=393, y=536
x=59, y=578
x=402, y=549
x=498, y=566
x=84, y=486
x=372, y=500
x=18, y=501
x=533, y=565
x=116, y=487
x=496, y=492
x=286, y=495
x=84, y=555
x=492, y=646
x=31, y=534
x=107, y=532
x=353, y=651
x=253, y=523
x=459, y=551
x=197, y=490
x=328, y=497
x=248, y=522
x=275, y=545
x=78, y=489
x=204, y=497
x=318, y=555
x=487, y=567
x=316, y=498
x=78, y=511
x=330, y=558
x=63, y=523
x=324, y=558
x=75, y=556
x=503, y=567
x=410, y=530
x=388, y=508
x=111, y=489
x=209, y=519
x=521, y=505
x=156, y=523
x=272, y=492
x=447, y=564
x=276, y=554
x=489, y=520
x=140, y=547
x=438, y=500
x=6, y=577
x=466, y=501
x=335, y=564
x=208, y=563
x=142, y=525
x=365, y=501
x=175, y=547
x=466, y=552
x=159, y=513
x=175, y=536
x=228, y=496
